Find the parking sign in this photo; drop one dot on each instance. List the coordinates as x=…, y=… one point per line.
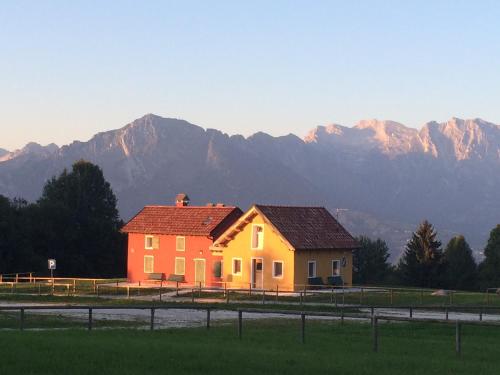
x=52, y=264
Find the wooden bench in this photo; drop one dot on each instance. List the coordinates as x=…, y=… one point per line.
x=176, y=278
x=157, y=276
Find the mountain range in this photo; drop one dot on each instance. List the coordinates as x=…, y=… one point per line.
x=385, y=177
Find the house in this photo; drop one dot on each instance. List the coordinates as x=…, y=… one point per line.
x=285, y=247
x=164, y=241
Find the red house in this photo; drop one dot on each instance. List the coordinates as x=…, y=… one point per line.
x=164, y=241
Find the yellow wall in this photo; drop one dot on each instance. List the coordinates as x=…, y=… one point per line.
x=274, y=249
x=323, y=260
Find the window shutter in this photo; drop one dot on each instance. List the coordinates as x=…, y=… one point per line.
x=156, y=242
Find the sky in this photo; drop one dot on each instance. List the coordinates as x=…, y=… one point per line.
x=70, y=69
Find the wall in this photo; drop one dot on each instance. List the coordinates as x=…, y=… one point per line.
x=273, y=249
x=323, y=260
x=197, y=247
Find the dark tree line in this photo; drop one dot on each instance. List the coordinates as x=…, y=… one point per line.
x=75, y=221
x=425, y=264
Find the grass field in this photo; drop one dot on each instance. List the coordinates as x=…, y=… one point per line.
x=267, y=347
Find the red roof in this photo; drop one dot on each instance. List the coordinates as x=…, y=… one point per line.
x=308, y=228
x=188, y=220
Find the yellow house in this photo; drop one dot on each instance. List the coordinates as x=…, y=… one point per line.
x=285, y=247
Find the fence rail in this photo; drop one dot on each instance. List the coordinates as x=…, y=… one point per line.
x=373, y=318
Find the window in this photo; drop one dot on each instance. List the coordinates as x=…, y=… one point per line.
x=236, y=266
x=151, y=242
x=218, y=268
x=335, y=267
x=311, y=268
x=257, y=237
x=278, y=269
x=180, y=266
x=180, y=243
x=149, y=264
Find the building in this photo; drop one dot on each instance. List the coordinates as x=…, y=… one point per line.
x=285, y=247
x=172, y=242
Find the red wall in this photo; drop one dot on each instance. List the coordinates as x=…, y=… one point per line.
x=164, y=257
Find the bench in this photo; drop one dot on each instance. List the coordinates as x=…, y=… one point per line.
x=335, y=280
x=315, y=281
x=176, y=278
x=156, y=276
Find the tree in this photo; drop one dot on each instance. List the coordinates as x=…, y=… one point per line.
x=460, y=268
x=489, y=269
x=370, y=264
x=79, y=223
x=421, y=263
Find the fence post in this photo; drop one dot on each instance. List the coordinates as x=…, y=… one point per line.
x=199, y=290
x=361, y=297
x=39, y=289
x=159, y=291
x=263, y=296
x=90, y=319
x=227, y=296
x=277, y=292
x=392, y=296
x=451, y=298
x=117, y=287
x=31, y=277
x=411, y=312
x=94, y=286
x=301, y=298
x=225, y=289
x=240, y=323
x=21, y=319
x=74, y=286
x=303, y=325
x=331, y=297
x=487, y=296
x=375, y=333
x=458, y=338
x=446, y=312
x=177, y=288
x=192, y=295
x=128, y=291
x=208, y=318
x=343, y=295
x=97, y=290
x=342, y=316
x=1, y=278
x=421, y=296
x=152, y=325
x=249, y=289
x=372, y=310
x=17, y=277
x=480, y=315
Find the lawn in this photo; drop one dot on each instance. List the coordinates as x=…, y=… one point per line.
x=267, y=347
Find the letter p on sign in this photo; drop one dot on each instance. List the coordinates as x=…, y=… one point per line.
x=52, y=264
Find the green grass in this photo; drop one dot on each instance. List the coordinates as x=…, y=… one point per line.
x=267, y=347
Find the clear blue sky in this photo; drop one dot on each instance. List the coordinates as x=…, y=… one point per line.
x=72, y=68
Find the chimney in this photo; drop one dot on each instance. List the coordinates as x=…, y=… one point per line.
x=220, y=205
x=210, y=204
x=181, y=200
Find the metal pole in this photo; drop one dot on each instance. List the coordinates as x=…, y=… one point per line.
x=411, y=312
x=375, y=333
x=208, y=318
x=392, y=296
x=152, y=325
x=21, y=319
x=361, y=297
x=446, y=312
x=128, y=291
x=90, y=319
x=192, y=295
x=240, y=323
x=199, y=291
x=303, y=326
x=177, y=288
x=159, y=290
x=301, y=298
x=277, y=292
x=263, y=296
x=227, y=296
x=458, y=339
x=481, y=315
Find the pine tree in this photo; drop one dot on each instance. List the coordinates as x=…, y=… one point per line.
x=421, y=263
x=370, y=264
x=489, y=269
x=460, y=268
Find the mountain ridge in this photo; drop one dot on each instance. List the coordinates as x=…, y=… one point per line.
x=388, y=175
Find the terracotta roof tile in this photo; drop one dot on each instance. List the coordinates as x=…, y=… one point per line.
x=189, y=220
x=308, y=228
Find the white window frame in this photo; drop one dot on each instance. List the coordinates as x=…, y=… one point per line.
x=178, y=238
x=261, y=243
x=175, y=266
x=338, y=268
x=282, y=269
x=152, y=263
x=241, y=267
x=315, y=270
x=146, y=237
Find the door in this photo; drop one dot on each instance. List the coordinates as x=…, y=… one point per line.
x=257, y=274
x=199, y=272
